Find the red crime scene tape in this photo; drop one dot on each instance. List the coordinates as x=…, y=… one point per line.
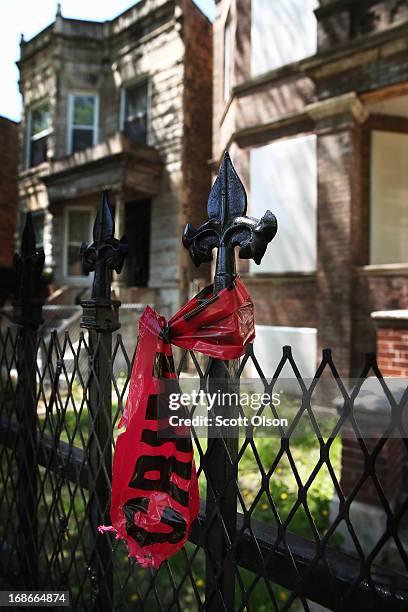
x=155, y=496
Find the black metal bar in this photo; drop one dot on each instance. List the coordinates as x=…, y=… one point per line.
x=258, y=552
x=61, y=457
x=227, y=228
x=100, y=317
x=27, y=314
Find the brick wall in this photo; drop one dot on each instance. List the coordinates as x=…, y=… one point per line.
x=197, y=141
x=374, y=291
x=284, y=301
x=392, y=346
x=392, y=359
x=8, y=188
x=388, y=466
x=342, y=22
x=334, y=153
x=392, y=342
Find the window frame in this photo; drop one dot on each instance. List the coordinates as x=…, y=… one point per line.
x=74, y=279
x=386, y=129
x=29, y=138
x=139, y=80
x=70, y=125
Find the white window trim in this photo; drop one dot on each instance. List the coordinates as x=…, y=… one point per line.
x=27, y=161
x=73, y=279
x=95, y=127
x=133, y=83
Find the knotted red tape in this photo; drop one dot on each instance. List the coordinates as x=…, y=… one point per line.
x=155, y=495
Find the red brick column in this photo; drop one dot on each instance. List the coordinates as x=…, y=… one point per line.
x=337, y=120
x=392, y=359
x=392, y=342
x=8, y=193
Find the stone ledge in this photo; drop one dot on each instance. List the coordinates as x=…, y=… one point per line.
x=348, y=103
x=397, y=319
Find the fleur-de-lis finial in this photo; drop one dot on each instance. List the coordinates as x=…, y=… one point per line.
x=105, y=253
x=228, y=227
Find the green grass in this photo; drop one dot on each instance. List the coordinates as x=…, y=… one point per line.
x=282, y=492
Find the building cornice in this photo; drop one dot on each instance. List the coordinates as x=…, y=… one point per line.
x=310, y=65
x=348, y=103
x=94, y=31
x=336, y=56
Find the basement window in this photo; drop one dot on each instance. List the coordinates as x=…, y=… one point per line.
x=38, y=130
x=388, y=198
x=134, y=111
x=82, y=122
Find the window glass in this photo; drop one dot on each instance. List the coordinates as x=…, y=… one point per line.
x=81, y=139
x=40, y=119
x=284, y=180
x=388, y=198
x=282, y=31
x=84, y=111
x=79, y=231
x=135, y=112
x=38, y=134
x=38, y=223
x=83, y=122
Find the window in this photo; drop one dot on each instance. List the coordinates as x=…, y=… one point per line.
x=388, y=198
x=227, y=58
x=282, y=31
x=78, y=230
x=284, y=180
x=82, y=122
x=38, y=223
x=134, y=105
x=38, y=128
x=268, y=344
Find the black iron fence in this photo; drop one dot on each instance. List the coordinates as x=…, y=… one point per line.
x=266, y=538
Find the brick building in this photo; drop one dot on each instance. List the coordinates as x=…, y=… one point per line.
x=124, y=105
x=311, y=99
x=9, y=154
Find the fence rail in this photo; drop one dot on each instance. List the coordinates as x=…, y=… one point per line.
x=256, y=544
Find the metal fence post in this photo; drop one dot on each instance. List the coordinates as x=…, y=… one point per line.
x=27, y=314
x=100, y=318
x=227, y=228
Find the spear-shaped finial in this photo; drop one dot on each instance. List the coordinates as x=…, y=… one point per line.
x=29, y=264
x=105, y=253
x=228, y=227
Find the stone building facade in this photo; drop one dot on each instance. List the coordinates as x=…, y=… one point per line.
x=9, y=154
x=122, y=105
x=311, y=99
